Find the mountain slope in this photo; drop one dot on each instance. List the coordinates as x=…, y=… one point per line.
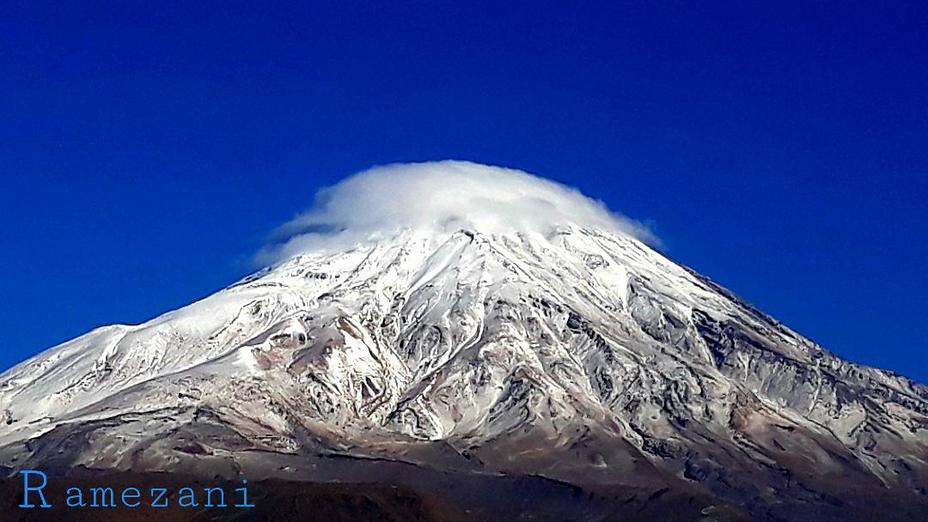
x=577, y=354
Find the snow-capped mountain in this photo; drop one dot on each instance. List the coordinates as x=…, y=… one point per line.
x=573, y=353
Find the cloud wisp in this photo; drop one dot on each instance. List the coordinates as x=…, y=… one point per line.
x=443, y=196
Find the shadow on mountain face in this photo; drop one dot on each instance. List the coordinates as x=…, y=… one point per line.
x=278, y=500
x=415, y=494
x=273, y=501
x=451, y=486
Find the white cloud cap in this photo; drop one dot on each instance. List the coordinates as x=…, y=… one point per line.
x=444, y=196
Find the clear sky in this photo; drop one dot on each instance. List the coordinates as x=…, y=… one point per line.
x=148, y=149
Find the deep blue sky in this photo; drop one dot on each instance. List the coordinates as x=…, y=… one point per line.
x=147, y=149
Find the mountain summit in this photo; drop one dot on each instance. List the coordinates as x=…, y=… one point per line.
x=565, y=364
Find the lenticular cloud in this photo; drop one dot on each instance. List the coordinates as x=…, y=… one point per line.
x=444, y=196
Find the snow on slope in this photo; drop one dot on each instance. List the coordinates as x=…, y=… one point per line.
x=575, y=352
x=579, y=311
